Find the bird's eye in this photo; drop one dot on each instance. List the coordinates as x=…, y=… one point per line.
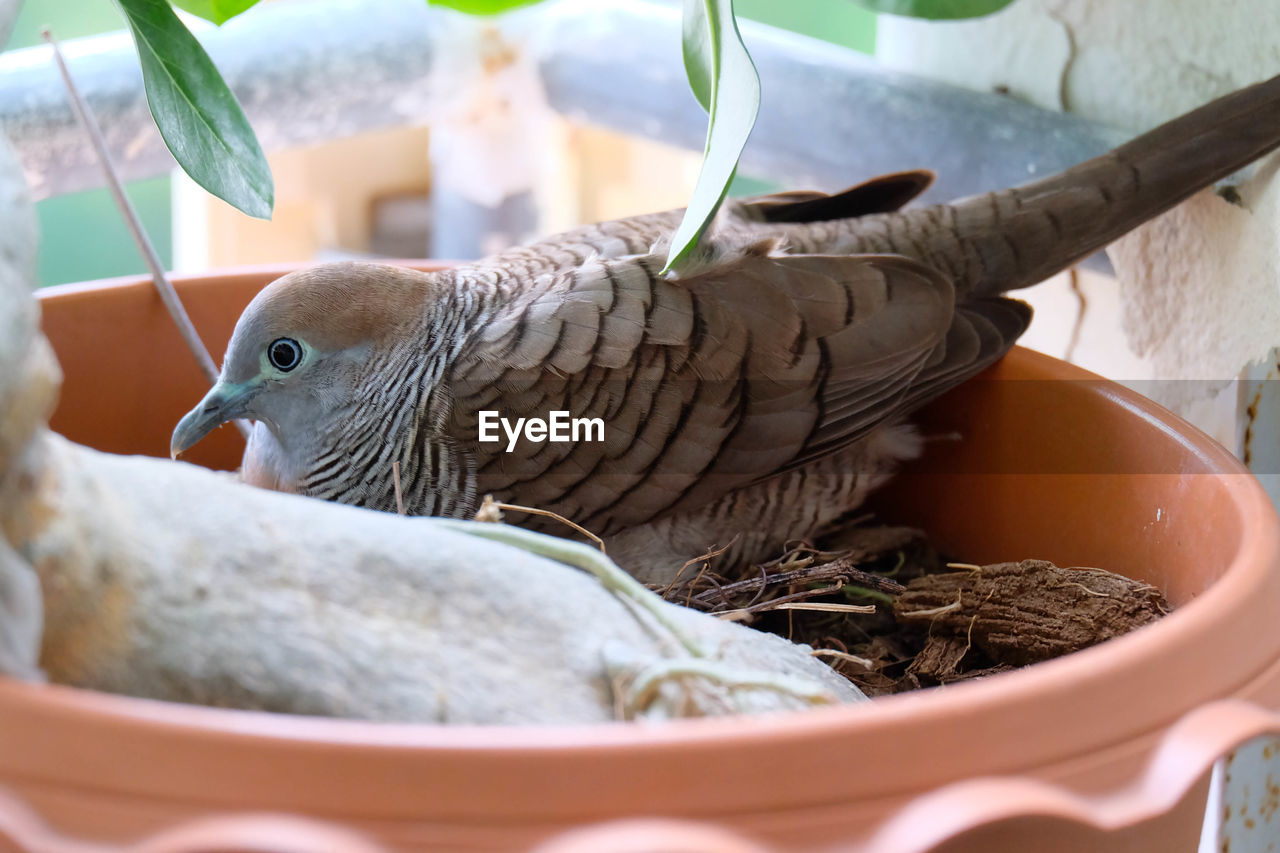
x=284, y=354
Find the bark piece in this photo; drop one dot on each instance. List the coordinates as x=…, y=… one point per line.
x=1021, y=613
x=941, y=658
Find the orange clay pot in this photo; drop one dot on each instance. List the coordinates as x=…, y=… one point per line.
x=1054, y=463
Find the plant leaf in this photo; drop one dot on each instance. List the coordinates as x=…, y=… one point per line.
x=483, y=7
x=199, y=119
x=699, y=60
x=218, y=11
x=720, y=70
x=937, y=10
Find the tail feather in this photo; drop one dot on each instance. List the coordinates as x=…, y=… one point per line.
x=1018, y=237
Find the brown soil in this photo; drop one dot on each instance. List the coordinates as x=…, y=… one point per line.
x=933, y=622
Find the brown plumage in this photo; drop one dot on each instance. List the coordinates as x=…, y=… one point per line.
x=759, y=395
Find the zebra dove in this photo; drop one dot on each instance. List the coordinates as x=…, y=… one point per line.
x=759, y=395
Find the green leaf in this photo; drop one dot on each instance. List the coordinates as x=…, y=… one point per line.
x=483, y=7
x=199, y=119
x=218, y=11
x=725, y=82
x=937, y=10
x=699, y=60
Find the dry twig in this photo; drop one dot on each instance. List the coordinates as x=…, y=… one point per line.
x=704, y=558
x=395, y=479
x=842, y=568
x=824, y=607
x=546, y=513
x=164, y=287
x=866, y=663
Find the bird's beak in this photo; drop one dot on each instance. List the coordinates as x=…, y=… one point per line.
x=225, y=401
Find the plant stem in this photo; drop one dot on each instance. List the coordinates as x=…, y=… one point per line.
x=164, y=287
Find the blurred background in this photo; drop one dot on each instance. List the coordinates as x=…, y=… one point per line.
x=82, y=235
x=365, y=194
x=502, y=135
x=398, y=129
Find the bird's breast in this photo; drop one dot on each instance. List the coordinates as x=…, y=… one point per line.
x=264, y=464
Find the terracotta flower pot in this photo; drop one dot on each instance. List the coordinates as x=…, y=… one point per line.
x=1054, y=463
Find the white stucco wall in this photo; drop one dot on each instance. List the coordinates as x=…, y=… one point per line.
x=1200, y=287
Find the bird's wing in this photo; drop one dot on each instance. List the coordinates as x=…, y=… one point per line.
x=878, y=195
x=704, y=384
x=739, y=219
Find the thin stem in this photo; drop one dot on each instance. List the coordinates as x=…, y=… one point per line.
x=164, y=287
x=546, y=513
x=395, y=478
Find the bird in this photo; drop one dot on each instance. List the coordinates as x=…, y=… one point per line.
x=754, y=397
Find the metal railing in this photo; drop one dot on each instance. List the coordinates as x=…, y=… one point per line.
x=307, y=72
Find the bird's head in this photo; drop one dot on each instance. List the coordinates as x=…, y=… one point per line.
x=302, y=346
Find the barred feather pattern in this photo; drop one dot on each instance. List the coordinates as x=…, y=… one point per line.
x=714, y=411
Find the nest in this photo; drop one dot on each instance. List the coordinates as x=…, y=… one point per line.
x=888, y=613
